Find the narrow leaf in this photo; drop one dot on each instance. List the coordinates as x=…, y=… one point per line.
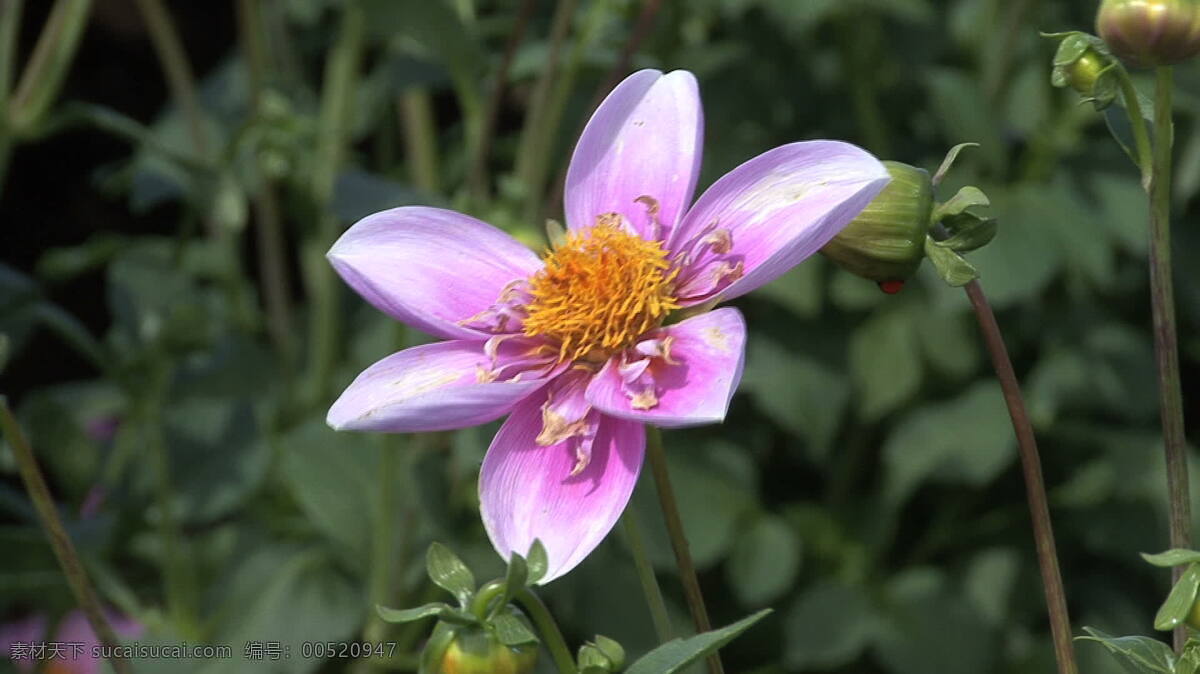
x=953, y=269
x=968, y=232
x=512, y=632
x=1173, y=557
x=676, y=654
x=448, y=572
x=1137, y=654
x=515, y=578
x=1179, y=603
x=951, y=157
x=965, y=198
x=406, y=615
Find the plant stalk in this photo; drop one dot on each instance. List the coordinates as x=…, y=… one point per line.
x=683, y=556
x=64, y=549
x=47, y=67
x=178, y=72
x=552, y=637
x=1166, y=348
x=1035, y=487
x=645, y=572
x=415, y=109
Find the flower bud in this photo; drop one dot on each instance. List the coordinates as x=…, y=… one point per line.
x=886, y=242
x=476, y=650
x=1151, y=33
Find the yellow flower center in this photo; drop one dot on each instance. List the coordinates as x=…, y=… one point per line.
x=599, y=291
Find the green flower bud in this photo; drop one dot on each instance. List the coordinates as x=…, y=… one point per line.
x=1151, y=33
x=476, y=650
x=886, y=242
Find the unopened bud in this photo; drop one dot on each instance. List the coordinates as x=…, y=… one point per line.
x=1150, y=33
x=886, y=242
x=476, y=650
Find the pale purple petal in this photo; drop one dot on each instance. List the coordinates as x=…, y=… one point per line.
x=23, y=631
x=75, y=629
x=436, y=387
x=644, y=140
x=689, y=380
x=527, y=492
x=429, y=267
x=768, y=214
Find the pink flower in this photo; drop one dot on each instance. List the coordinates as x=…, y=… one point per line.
x=573, y=345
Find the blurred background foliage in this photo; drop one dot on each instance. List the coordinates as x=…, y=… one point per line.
x=172, y=337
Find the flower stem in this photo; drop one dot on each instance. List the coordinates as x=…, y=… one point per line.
x=415, y=108
x=650, y=588
x=1162, y=298
x=176, y=69
x=552, y=637
x=1035, y=487
x=683, y=557
x=61, y=543
x=47, y=67
x=1137, y=122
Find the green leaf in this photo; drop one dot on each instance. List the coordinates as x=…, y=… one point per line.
x=965, y=198
x=1179, y=602
x=448, y=572
x=592, y=657
x=676, y=654
x=967, y=440
x=536, y=562
x=764, y=562
x=953, y=269
x=828, y=627
x=885, y=362
x=800, y=393
x=1137, y=654
x=968, y=232
x=394, y=615
x=511, y=631
x=1173, y=557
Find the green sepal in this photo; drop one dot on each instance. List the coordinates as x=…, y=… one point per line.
x=448, y=572
x=951, y=266
x=512, y=632
x=948, y=162
x=968, y=232
x=537, y=562
x=515, y=578
x=1178, y=606
x=1137, y=653
x=407, y=615
x=1172, y=557
x=591, y=657
x=435, y=649
x=612, y=649
x=966, y=197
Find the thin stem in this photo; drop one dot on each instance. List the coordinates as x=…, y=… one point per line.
x=47, y=67
x=10, y=22
x=64, y=549
x=552, y=637
x=383, y=541
x=1137, y=121
x=650, y=588
x=341, y=74
x=536, y=133
x=478, y=174
x=178, y=71
x=683, y=556
x=1166, y=349
x=487, y=593
x=1035, y=487
x=415, y=109
x=272, y=256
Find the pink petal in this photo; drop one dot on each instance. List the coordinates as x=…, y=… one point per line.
x=430, y=268
x=75, y=629
x=765, y=216
x=527, y=492
x=437, y=387
x=690, y=383
x=644, y=140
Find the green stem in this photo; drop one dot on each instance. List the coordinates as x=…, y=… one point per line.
x=683, y=556
x=47, y=67
x=272, y=257
x=60, y=542
x=173, y=58
x=1166, y=349
x=341, y=74
x=10, y=22
x=536, y=134
x=1035, y=486
x=552, y=637
x=486, y=594
x=650, y=588
x=420, y=138
x=383, y=543
x=1137, y=121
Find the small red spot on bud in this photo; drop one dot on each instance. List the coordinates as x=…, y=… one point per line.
x=891, y=287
